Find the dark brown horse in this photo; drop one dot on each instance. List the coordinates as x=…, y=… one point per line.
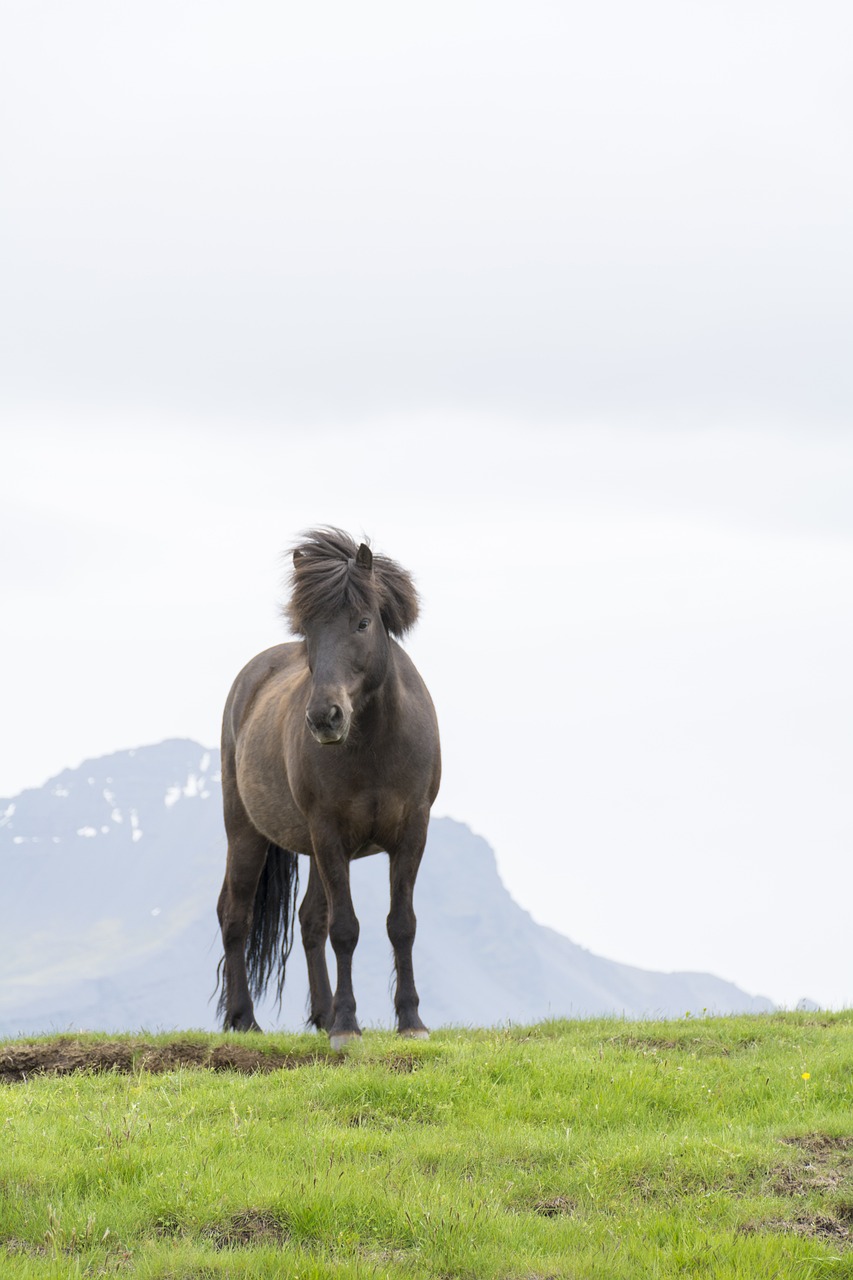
x=329, y=749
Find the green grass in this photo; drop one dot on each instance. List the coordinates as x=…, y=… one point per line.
x=571, y=1149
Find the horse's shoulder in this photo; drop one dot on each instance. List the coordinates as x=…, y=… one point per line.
x=406, y=669
x=419, y=718
x=410, y=678
x=272, y=663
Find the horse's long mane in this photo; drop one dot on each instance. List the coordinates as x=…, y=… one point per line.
x=329, y=575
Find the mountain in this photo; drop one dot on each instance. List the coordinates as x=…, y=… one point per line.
x=110, y=875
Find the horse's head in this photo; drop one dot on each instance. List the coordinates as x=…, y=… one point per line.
x=346, y=603
x=348, y=658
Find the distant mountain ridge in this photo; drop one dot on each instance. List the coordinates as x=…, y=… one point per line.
x=110, y=875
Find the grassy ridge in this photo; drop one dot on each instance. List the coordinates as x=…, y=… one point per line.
x=719, y=1147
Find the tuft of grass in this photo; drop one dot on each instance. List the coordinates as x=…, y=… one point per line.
x=709, y=1147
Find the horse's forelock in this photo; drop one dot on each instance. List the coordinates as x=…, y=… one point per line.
x=398, y=598
x=327, y=578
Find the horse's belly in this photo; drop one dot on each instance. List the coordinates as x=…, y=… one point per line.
x=272, y=810
x=286, y=829
x=367, y=849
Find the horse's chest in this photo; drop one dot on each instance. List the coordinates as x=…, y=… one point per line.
x=363, y=811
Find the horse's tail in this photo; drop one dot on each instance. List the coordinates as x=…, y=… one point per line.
x=271, y=935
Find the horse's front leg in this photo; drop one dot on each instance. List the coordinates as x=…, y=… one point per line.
x=332, y=863
x=314, y=921
x=405, y=858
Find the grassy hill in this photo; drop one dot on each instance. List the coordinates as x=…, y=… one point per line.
x=713, y=1147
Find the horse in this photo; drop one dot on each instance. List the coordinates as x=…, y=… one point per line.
x=330, y=750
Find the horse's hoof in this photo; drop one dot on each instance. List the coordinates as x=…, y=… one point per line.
x=242, y=1025
x=416, y=1033
x=340, y=1040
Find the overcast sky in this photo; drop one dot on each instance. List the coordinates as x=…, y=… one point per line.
x=554, y=302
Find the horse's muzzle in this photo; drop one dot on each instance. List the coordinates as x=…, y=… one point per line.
x=327, y=725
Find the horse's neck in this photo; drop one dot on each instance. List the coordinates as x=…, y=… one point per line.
x=383, y=708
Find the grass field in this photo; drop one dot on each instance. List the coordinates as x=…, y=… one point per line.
x=716, y=1147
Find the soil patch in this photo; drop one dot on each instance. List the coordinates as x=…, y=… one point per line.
x=555, y=1207
x=697, y=1046
x=403, y=1064
x=799, y=1180
x=825, y=1169
x=252, y=1227
x=67, y=1056
x=820, y=1226
x=826, y=1165
x=821, y=1143
x=646, y=1044
x=17, y=1061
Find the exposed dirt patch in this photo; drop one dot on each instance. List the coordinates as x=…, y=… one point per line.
x=403, y=1064
x=799, y=1180
x=252, y=1227
x=66, y=1056
x=827, y=1165
x=248, y=1062
x=825, y=1169
x=12, y=1245
x=696, y=1046
x=821, y=1143
x=821, y=1226
x=645, y=1044
x=555, y=1207
x=17, y=1061
x=168, y=1057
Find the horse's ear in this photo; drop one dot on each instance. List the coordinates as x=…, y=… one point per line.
x=364, y=557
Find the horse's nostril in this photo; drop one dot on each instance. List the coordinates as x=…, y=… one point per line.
x=325, y=720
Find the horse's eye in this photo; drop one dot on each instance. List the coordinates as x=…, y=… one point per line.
x=364, y=624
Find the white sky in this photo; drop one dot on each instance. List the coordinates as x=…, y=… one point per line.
x=552, y=303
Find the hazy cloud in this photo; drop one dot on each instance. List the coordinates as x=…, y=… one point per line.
x=551, y=210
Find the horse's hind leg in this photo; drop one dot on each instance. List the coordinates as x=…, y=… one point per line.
x=247, y=853
x=314, y=921
x=404, y=862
